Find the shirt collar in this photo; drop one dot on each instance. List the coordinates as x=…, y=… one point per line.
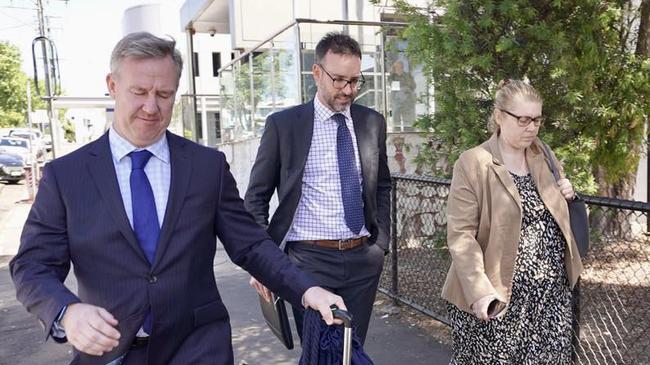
x=120, y=147
x=322, y=113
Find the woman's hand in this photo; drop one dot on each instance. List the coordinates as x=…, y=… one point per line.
x=566, y=189
x=480, y=307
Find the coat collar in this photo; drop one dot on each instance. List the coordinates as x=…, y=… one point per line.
x=102, y=171
x=181, y=171
x=533, y=153
x=368, y=157
x=534, y=160
x=302, y=130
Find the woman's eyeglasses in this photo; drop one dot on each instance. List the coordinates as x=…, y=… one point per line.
x=524, y=121
x=340, y=83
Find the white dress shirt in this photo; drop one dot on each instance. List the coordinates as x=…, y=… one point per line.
x=158, y=171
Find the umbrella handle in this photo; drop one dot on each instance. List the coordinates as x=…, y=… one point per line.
x=345, y=316
x=347, y=332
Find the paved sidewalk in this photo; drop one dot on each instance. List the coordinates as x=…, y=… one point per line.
x=390, y=341
x=11, y=227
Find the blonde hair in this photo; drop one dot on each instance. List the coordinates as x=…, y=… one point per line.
x=507, y=91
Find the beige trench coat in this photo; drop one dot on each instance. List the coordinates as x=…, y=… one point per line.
x=484, y=217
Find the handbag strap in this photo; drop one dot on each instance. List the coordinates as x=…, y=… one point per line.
x=549, y=160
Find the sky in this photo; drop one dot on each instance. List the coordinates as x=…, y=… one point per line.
x=84, y=32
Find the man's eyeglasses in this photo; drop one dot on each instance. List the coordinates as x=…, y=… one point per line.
x=525, y=121
x=340, y=83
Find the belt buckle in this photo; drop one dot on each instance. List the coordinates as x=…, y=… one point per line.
x=343, y=242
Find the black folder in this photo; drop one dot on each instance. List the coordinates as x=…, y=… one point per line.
x=275, y=315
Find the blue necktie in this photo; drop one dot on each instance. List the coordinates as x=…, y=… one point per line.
x=349, y=175
x=145, y=216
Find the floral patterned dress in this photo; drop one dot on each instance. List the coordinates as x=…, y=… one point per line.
x=537, y=325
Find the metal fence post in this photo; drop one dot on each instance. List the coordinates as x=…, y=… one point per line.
x=393, y=240
x=576, y=321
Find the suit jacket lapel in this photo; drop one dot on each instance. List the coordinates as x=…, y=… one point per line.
x=545, y=183
x=102, y=171
x=303, y=130
x=181, y=167
x=499, y=169
x=367, y=152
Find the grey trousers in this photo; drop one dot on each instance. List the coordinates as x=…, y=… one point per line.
x=352, y=274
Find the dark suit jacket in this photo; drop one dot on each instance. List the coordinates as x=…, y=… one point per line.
x=79, y=217
x=280, y=164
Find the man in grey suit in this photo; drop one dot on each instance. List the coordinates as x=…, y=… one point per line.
x=327, y=160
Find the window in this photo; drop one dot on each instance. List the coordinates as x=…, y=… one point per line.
x=199, y=125
x=14, y=143
x=216, y=63
x=195, y=64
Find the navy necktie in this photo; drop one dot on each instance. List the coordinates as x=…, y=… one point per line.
x=349, y=175
x=145, y=216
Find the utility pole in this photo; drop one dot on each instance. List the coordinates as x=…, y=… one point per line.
x=345, y=16
x=33, y=173
x=48, y=79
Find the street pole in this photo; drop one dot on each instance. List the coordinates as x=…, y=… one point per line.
x=46, y=69
x=32, y=177
x=344, y=15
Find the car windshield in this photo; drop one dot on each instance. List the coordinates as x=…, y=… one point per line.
x=13, y=143
x=22, y=135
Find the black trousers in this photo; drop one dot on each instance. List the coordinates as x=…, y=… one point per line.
x=352, y=274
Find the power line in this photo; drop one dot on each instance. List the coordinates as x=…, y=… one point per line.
x=13, y=17
x=16, y=26
x=17, y=7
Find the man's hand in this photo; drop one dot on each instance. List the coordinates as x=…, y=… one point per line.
x=320, y=299
x=90, y=329
x=261, y=289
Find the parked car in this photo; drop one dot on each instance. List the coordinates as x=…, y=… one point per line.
x=12, y=168
x=20, y=147
x=38, y=140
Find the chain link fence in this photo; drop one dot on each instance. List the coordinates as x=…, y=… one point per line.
x=611, y=299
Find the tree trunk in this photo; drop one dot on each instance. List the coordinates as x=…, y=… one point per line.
x=643, y=40
x=611, y=223
x=643, y=51
x=622, y=189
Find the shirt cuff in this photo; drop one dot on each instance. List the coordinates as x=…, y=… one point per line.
x=57, y=330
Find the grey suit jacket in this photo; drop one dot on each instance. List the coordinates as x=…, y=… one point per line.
x=280, y=164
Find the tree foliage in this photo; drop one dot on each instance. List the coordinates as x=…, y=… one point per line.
x=579, y=54
x=13, y=88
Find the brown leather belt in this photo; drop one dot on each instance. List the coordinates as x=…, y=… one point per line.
x=340, y=245
x=139, y=342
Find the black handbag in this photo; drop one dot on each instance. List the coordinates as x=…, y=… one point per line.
x=577, y=211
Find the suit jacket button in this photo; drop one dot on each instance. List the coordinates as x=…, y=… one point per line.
x=153, y=279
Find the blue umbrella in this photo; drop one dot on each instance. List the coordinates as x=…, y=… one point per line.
x=323, y=344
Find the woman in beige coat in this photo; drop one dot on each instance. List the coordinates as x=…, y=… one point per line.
x=514, y=258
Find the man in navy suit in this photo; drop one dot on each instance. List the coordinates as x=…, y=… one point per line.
x=327, y=160
x=137, y=212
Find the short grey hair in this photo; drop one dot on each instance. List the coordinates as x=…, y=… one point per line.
x=144, y=45
x=507, y=90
